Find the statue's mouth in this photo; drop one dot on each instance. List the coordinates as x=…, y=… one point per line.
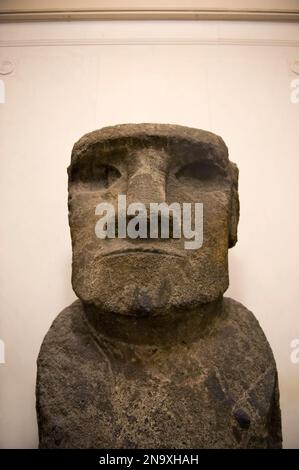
x=144, y=251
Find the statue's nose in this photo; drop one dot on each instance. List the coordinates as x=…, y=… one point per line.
x=146, y=187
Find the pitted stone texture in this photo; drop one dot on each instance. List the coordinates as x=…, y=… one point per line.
x=151, y=163
x=215, y=390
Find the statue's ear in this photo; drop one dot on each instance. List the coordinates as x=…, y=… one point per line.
x=234, y=208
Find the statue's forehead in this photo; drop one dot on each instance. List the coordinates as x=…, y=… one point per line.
x=176, y=141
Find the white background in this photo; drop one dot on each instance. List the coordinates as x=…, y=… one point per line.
x=233, y=79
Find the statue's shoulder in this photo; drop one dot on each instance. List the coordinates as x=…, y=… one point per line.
x=68, y=340
x=245, y=331
x=71, y=365
x=247, y=366
x=240, y=319
x=65, y=327
x=241, y=347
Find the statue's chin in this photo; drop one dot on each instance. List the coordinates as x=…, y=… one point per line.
x=147, y=285
x=133, y=299
x=141, y=301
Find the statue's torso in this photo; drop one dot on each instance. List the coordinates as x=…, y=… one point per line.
x=218, y=391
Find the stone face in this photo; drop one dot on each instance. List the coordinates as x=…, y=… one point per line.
x=196, y=387
x=151, y=163
x=152, y=355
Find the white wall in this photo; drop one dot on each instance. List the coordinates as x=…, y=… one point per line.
x=70, y=78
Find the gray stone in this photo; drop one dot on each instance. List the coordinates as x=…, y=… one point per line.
x=152, y=355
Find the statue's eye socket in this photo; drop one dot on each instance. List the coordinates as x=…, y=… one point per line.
x=105, y=175
x=94, y=174
x=201, y=170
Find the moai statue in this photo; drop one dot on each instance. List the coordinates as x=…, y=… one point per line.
x=152, y=355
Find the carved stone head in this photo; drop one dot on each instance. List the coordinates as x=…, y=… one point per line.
x=151, y=163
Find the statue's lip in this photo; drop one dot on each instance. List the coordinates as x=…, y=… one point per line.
x=139, y=250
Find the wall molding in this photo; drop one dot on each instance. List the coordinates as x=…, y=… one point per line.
x=65, y=10
x=221, y=15
x=149, y=41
